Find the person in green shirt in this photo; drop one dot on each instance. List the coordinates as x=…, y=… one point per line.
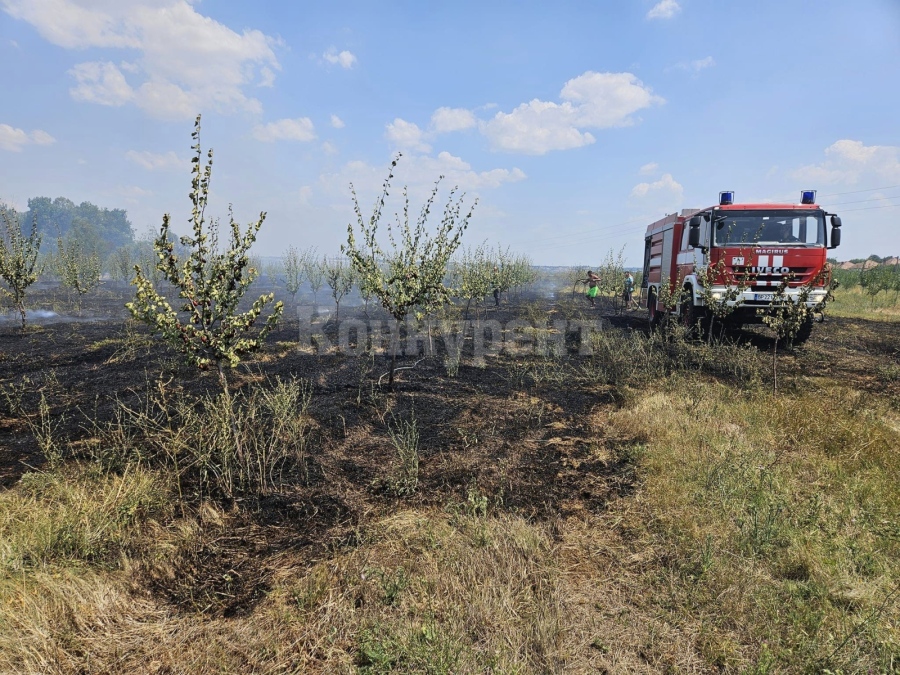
x=592, y=282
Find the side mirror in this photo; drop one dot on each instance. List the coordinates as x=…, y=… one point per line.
x=835, y=234
x=836, y=222
x=694, y=233
x=694, y=237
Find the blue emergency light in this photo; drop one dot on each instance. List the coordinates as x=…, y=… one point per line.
x=807, y=196
x=726, y=198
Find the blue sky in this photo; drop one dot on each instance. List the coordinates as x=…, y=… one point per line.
x=574, y=124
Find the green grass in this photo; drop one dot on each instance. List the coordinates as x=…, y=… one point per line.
x=75, y=515
x=855, y=303
x=777, y=521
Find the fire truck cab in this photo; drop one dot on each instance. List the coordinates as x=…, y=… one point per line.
x=751, y=248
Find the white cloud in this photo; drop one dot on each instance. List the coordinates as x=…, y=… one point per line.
x=42, y=137
x=694, y=66
x=343, y=59
x=100, y=82
x=184, y=60
x=665, y=9
x=700, y=64
x=445, y=120
x=13, y=139
x=133, y=192
x=166, y=100
x=304, y=194
x=300, y=129
x=418, y=172
x=590, y=101
x=536, y=128
x=456, y=171
x=851, y=162
x=406, y=135
x=648, y=169
x=665, y=195
x=329, y=149
x=266, y=77
x=337, y=122
x=153, y=161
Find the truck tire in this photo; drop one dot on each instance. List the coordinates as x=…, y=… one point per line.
x=694, y=319
x=653, y=314
x=688, y=313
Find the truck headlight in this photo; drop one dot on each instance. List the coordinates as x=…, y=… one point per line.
x=717, y=295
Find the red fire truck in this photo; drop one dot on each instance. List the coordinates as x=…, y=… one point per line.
x=751, y=249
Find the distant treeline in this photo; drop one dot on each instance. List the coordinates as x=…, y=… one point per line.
x=101, y=229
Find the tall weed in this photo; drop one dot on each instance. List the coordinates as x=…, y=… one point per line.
x=223, y=445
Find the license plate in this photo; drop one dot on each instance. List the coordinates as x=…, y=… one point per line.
x=764, y=297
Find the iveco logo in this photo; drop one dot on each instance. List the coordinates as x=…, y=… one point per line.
x=770, y=270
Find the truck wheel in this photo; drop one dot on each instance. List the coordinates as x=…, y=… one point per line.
x=653, y=314
x=688, y=312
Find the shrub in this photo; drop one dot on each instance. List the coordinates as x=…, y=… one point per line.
x=405, y=437
x=18, y=259
x=77, y=265
x=414, y=267
x=219, y=445
x=211, y=282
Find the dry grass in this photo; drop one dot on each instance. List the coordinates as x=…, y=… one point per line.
x=772, y=524
x=747, y=533
x=422, y=592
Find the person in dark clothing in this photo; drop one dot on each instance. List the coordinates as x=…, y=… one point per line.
x=496, y=287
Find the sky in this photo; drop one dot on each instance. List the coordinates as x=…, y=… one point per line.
x=574, y=124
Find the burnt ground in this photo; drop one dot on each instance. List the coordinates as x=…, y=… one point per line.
x=534, y=446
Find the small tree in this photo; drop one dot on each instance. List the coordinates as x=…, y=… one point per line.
x=292, y=267
x=720, y=304
x=78, y=265
x=474, y=276
x=315, y=273
x=522, y=272
x=211, y=283
x=121, y=264
x=612, y=274
x=18, y=258
x=415, y=264
x=785, y=318
x=339, y=276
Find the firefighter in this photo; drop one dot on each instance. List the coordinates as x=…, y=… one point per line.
x=592, y=280
x=628, y=293
x=496, y=284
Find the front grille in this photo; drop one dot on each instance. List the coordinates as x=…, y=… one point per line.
x=764, y=282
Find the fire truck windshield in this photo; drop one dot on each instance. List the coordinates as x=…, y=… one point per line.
x=797, y=228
